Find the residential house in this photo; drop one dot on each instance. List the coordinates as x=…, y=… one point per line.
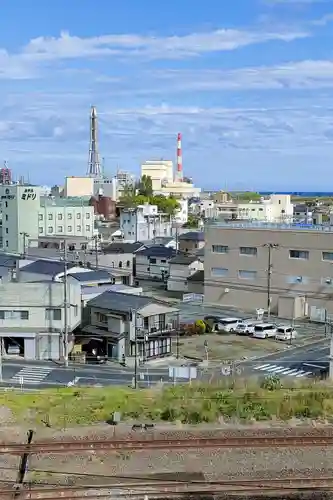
x=45, y=270
x=153, y=262
x=32, y=317
x=195, y=283
x=181, y=268
x=120, y=256
x=132, y=327
x=191, y=241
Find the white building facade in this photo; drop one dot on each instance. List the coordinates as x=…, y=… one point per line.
x=144, y=223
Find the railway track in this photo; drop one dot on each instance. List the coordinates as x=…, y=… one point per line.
x=163, y=489
x=289, y=441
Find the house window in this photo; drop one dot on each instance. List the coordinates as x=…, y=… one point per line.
x=248, y=251
x=60, y=229
x=128, y=263
x=59, y=216
x=6, y=204
x=69, y=229
x=87, y=215
x=120, y=264
x=247, y=275
x=53, y=314
x=327, y=256
x=6, y=217
x=50, y=229
x=50, y=216
x=88, y=227
x=6, y=243
x=220, y=249
x=163, y=261
x=101, y=318
x=14, y=314
x=299, y=254
x=152, y=261
x=219, y=271
x=78, y=228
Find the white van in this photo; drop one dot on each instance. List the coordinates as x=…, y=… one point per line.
x=228, y=324
x=246, y=327
x=285, y=332
x=264, y=330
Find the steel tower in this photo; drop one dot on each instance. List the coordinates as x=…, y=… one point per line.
x=94, y=164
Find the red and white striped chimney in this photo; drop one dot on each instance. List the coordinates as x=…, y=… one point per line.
x=179, y=158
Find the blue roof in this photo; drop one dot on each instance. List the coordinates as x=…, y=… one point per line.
x=193, y=236
x=98, y=275
x=46, y=267
x=158, y=251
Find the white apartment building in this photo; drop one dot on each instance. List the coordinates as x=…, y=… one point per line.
x=160, y=172
x=66, y=216
x=144, y=223
x=181, y=215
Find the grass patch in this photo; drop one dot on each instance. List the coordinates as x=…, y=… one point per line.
x=196, y=403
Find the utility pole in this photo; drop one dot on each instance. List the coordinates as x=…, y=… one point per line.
x=24, y=237
x=96, y=251
x=133, y=316
x=270, y=246
x=1, y=354
x=65, y=307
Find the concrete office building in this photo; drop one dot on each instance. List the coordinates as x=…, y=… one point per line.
x=144, y=223
x=299, y=259
x=32, y=317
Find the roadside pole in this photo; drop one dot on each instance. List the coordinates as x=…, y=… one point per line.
x=1, y=353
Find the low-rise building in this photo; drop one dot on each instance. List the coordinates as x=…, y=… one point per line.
x=144, y=222
x=32, y=317
x=191, y=241
x=286, y=268
x=153, y=262
x=181, y=268
x=132, y=327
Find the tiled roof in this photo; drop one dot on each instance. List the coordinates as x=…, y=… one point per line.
x=47, y=267
x=182, y=259
x=193, y=236
x=121, y=302
x=158, y=251
x=98, y=275
x=123, y=247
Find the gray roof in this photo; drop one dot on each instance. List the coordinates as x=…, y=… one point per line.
x=197, y=277
x=98, y=275
x=193, y=236
x=158, y=251
x=121, y=302
x=200, y=252
x=47, y=267
x=183, y=259
x=7, y=260
x=123, y=247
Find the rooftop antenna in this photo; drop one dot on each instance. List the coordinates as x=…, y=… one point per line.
x=94, y=165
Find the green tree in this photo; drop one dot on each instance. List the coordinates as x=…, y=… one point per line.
x=248, y=196
x=166, y=205
x=145, y=186
x=192, y=222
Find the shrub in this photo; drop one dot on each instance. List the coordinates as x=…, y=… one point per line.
x=200, y=326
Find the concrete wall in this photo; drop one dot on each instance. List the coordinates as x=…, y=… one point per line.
x=224, y=272
x=34, y=299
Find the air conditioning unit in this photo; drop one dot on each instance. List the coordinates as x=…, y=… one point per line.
x=328, y=281
x=299, y=279
x=226, y=290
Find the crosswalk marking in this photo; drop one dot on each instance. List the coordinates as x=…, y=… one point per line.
x=273, y=369
x=31, y=374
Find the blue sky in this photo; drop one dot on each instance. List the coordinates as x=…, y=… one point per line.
x=249, y=83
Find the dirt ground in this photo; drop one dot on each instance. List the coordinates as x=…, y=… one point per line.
x=227, y=347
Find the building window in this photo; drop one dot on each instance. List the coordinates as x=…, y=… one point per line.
x=248, y=251
x=69, y=229
x=53, y=314
x=6, y=217
x=78, y=228
x=6, y=243
x=299, y=254
x=120, y=264
x=78, y=216
x=87, y=215
x=6, y=230
x=152, y=260
x=69, y=216
x=50, y=216
x=50, y=229
x=59, y=216
x=14, y=314
x=219, y=271
x=247, y=275
x=40, y=230
x=88, y=227
x=128, y=263
x=328, y=256
x=220, y=249
x=6, y=204
x=60, y=229
x=101, y=318
x=297, y=280
x=40, y=216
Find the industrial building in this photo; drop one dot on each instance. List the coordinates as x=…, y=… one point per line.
x=284, y=268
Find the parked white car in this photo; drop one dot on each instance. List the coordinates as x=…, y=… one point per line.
x=246, y=327
x=264, y=330
x=228, y=324
x=285, y=332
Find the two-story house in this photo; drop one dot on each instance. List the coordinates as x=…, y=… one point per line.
x=32, y=317
x=132, y=326
x=153, y=262
x=192, y=241
x=181, y=268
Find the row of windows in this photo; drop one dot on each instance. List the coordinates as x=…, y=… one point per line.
x=244, y=274
x=293, y=254
x=60, y=229
x=50, y=314
x=60, y=216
